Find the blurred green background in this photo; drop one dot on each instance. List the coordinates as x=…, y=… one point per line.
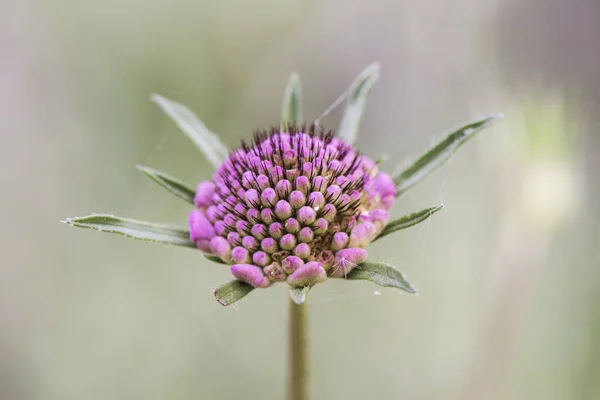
x=508, y=272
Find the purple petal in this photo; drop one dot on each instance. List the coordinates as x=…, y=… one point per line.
x=346, y=260
x=250, y=274
x=307, y=275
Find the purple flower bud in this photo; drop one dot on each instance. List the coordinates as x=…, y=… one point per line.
x=290, y=158
x=276, y=230
x=200, y=227
x=309, y=274
x=283, y=210
x=259, y=231
x=287, y=242
x=262, y=181
x=268, y=197
x=297, y=199
x=388, y=201
x=240, y=255
x=305, y=235
x=234, y=238
x=248, y=179
x=283, y=188
x=340, y=241
x=334, y=165
x=316, y=200
x=384, y=184
x=250, y=274
x=230, y=219
x=302, y=250
x=308, y=169
x=253, y=215
x=343, y=201
x=292, y=225
x=346, y=260
x=329, y=212
x=251, y=198
x=362, y=234
x=204, y=194
x=211, y=214
x=269, y=245
x=276, y=173
x=204, y=245
x=333, y=193
x=381, y=217
x=220, y=246
x=242, y=227
x=303, y=184
x=267, y=215
x=321, y=226
x=261, y=258
x=291, y=263
x=306, y=215
x=250, y=242
x=220, y=228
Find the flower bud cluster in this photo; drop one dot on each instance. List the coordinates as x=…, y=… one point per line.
x=293, y=206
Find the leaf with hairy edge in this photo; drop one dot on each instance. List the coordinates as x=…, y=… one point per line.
x=382, y=274
x=133, y=229
x=231, y=292
x=409, y=220
x=298, y=295
x=208, y=142
x=291, y=111
x=440, y=153
x=172, y=184
x=214, y=259
x=355, y=105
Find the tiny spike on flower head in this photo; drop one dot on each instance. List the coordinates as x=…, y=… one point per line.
x=296, y=204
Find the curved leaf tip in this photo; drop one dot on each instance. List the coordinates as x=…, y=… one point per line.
x=231, y=292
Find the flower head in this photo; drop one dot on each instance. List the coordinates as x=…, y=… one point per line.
x=296, y=205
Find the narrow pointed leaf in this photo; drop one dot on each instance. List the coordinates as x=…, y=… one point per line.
x=409, y=220
x=215, y=151
x=231, y=292
x=298, y=295
x=172, y=184
x=291, y=111
x=382, y=274
x=133, y=229
x=440, y=153
x=355, y=105
x=214, y=259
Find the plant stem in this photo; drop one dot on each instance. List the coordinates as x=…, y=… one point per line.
x=297, y=378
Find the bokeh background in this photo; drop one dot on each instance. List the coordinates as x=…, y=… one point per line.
x=508, y=272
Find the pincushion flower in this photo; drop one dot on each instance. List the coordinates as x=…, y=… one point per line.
x=295, y=204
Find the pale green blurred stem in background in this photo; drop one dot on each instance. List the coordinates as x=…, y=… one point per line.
x=297, y=354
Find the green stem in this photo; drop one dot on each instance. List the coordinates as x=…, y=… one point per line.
x=297, y=378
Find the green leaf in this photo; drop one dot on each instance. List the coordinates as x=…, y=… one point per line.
x=382, y=274
x=355, y=105
x=207, y=142
x=173, y=185
x=440, y=153
x=231, y=292
x=214, y=259
x=298, y=294
x=291, y=111
x=409, y=220
x=133, y=229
